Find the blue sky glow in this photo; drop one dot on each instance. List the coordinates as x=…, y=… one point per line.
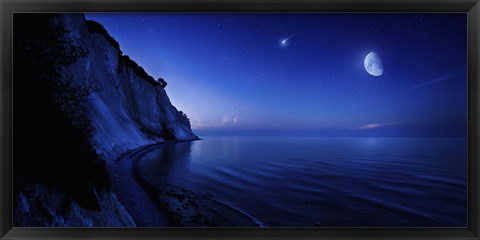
x=231, y=74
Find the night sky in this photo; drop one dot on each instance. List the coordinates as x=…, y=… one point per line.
x=231, y=74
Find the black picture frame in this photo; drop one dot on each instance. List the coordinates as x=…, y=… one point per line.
x=8, y=7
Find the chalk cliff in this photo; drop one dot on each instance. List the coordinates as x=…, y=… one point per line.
x=130, y=108
x=96, y=104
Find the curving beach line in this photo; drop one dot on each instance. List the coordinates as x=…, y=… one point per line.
x=160, y=208
x=132, y=194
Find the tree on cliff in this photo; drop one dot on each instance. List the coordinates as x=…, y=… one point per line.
x=162, y=82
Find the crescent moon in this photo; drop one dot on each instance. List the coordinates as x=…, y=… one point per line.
x=373, y=64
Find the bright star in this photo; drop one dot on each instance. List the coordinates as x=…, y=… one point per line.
x=284, y=42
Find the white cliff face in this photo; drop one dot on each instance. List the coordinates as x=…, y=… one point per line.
x=128, y=111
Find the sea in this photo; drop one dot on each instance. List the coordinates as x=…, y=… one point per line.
x=323, y=182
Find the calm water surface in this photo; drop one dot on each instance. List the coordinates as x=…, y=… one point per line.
x=329, y=182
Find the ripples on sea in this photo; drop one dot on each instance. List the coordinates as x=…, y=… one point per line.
x=326, y=182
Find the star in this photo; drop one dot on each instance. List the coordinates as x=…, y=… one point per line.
x=284, y=42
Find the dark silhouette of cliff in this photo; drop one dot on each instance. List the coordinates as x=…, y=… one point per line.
x=50, y=123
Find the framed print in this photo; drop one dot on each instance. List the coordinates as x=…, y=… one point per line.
x=233, y=119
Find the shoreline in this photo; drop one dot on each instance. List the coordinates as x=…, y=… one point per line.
x=136, y=200
x=186, y=208
x=137, y=196
x=172, y=206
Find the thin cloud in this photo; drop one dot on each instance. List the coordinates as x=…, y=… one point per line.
x=226, y=120
x=440, y=79
x=229, y=120
x=437, y=80
x=373, y=126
